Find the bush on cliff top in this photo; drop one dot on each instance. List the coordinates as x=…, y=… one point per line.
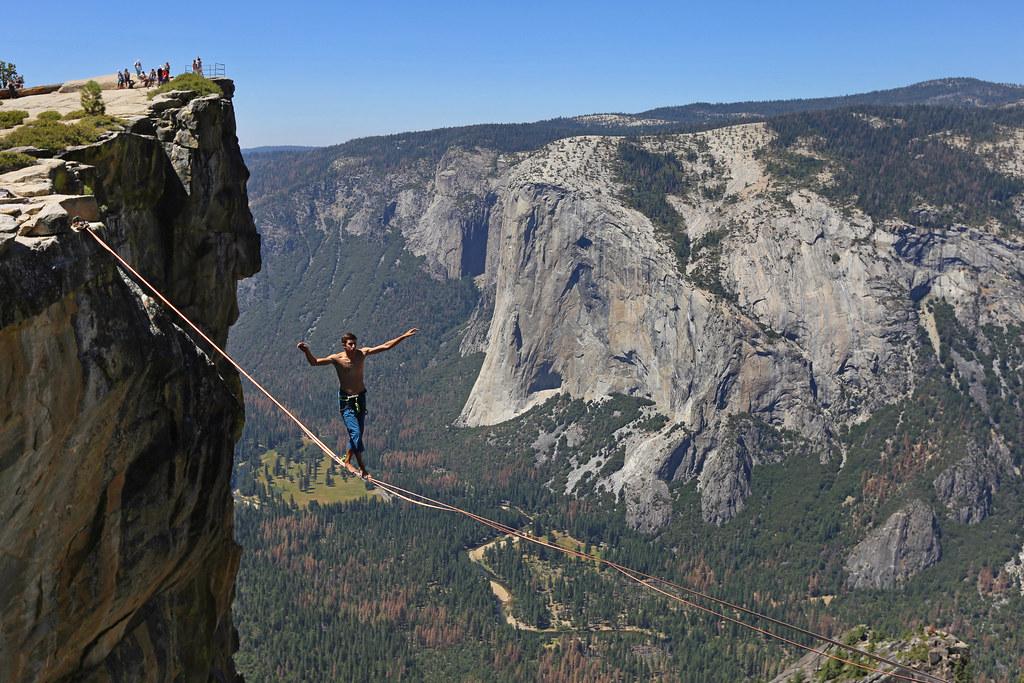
x=12, y=117
x=48, y=134
x=12, y=161
x=190, y=82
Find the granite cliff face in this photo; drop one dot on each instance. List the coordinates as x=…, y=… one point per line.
x=116, y=430
x=817, y=329
x=797, y=317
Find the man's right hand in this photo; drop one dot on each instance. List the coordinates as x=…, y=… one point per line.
x=302, y=346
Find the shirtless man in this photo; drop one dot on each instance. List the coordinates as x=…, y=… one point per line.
x=352, y=391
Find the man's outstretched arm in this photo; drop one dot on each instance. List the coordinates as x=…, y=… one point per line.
x=391, y=343
x=313, y=360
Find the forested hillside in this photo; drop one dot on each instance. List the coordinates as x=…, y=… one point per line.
x=377, y=590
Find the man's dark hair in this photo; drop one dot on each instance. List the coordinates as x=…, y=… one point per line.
x=348, y=335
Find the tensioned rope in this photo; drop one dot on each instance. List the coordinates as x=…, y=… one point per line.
x=641, y=578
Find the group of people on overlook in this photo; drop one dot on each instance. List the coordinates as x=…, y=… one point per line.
x=156, y=76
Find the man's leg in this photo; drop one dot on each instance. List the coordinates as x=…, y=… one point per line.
x=358, y=442
x=348, y=416
x=362, y=467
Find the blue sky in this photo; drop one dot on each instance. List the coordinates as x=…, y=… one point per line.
x=312, y=73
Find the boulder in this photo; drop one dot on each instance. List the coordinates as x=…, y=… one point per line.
x=173, y=99
x=52, y=219
x=38, y=179
x=83, y=206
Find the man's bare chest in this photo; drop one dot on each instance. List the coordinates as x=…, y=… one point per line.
x=347, y=364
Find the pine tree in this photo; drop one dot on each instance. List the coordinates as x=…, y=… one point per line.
x=92, y=99
x=7, y=72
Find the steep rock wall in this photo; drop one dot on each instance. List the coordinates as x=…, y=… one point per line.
x=795, y=310
x=116, y=429
x=817, y=332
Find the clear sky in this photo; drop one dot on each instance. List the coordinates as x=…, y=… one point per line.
x=319, y=73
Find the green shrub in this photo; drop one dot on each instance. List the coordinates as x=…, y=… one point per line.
x=918, y=654
x=11, y=118
x=76, y=114
x=92, y=98
x=48, y=116
x=103, y=121
x=192, y=83
x=12, y=161
x=57, y=135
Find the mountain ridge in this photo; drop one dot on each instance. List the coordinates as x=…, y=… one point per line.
x=690, y=114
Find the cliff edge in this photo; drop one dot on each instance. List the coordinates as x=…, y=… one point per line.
x=117, y=558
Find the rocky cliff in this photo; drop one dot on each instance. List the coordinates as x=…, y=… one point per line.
x=116, y=430
x=929, y=652
x=820, y=304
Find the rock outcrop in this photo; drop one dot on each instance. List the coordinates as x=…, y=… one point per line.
x=116, y=430
x=966, y=487
x=930, y=652
x=1014, y=568
x=905, y=544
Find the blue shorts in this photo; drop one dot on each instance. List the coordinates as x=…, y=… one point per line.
x=353, y=414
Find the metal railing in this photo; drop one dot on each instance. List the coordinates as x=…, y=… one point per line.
x=213, y=70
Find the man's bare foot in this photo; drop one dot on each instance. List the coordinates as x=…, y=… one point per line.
x=365, y=474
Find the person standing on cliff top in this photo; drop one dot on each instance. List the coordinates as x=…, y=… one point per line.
x=352, y=392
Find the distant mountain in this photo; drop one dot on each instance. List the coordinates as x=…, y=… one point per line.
x=958, y=92
x=271, y=149
x=516, y=137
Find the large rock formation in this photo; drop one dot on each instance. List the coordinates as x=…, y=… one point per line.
x=116, y=429
x=586, y=299
x=801, y=313
x=900, y=548
x=966, y=487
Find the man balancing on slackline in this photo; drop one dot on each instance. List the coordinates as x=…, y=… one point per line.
x=352, y=391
